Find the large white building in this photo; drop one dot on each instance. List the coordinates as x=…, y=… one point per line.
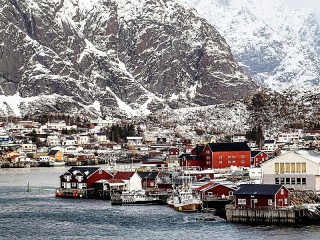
x=300, y=171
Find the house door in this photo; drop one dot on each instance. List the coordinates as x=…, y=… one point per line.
x=252, y=203
x=280, y=202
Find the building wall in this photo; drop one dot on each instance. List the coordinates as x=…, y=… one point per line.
x=228, y=159
x=217, y=191
x=135, y=182
x=96, y=176
x=263, y=201
x=292, y=167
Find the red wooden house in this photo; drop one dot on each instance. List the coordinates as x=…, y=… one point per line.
x=188, y=161
x=213, y=190
x=258, y=157
x=82, y=177
x=261, y=196
x=174, y=152
x=225, y=155
x=149, y=180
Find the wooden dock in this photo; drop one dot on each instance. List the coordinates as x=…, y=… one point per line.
x=292, y=215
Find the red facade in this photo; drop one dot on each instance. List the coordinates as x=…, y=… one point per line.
x=174, y=152
x=260, y=158
x=280, y=199
x=215, y=190
x=71, y=180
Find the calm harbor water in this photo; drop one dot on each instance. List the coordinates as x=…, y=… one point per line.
x=39, y=215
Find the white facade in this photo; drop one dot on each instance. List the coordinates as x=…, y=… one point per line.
x=135, y=182
x=101, y=138
x=28, y=147
x=53, y=140
x=134, y=140
x=288, y=137
x=57, y=125
x=238, y=138
x=294, y=171
x=69, y=141
x=270, y=145
x=83, y=139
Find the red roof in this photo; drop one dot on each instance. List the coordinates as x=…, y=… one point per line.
x=123, y=175
x=15, y=156
x=203, y=187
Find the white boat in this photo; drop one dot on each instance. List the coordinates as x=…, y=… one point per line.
x=137, y=197
x=185, y=200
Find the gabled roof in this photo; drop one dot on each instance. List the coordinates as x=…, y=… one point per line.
x=226, y=147
x=123, y=175
x=150, y=175
x=258, y=189
x=198, y=148
x=256, y=152
x=53, y=152
x=205, y=186
x=211, y=185
x=85, y=171
x=190, y=157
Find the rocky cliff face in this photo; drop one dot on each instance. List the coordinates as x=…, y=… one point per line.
x=102, y=56
x=277, y=45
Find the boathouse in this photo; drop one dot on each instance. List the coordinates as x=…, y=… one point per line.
x=261, y=196
x=79, y=181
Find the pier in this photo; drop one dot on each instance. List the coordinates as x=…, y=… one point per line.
x=289, y=215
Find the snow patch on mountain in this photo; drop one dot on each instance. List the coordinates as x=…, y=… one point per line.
x=277, y=45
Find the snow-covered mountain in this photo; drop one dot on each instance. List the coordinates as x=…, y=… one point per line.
x=103, y=56
x=277, y=45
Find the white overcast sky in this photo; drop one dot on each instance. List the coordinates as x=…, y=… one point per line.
x=314, y=4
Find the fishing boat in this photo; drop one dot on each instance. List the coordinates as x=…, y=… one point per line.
x=136, y=197
x=185, y=200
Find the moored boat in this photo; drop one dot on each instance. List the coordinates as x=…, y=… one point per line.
x=185, y=200
x=136, y=197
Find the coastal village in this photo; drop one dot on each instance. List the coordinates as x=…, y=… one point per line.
x=272, y=181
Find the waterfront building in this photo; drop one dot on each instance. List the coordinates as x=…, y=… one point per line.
x=297, y=171
x=261, y=195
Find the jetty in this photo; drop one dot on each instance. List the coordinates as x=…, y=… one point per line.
x=295, y=215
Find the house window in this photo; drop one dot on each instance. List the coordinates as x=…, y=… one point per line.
x=68, y=178
x=282, y=180
x=209, y=193
x=282, y=191
x=281, y=167
x=304, y=181
x=229, y=161
x=151, y=184
x=220, y=157
x=220, y=162
x=293, y=167
x=304, y=167
x=286, y=201
x=287, y=180
x=230, y=193
x=84, y=185
x=276, y=180
x=207, y=151
x=269, y=202
x=242, y=161
x=242, y=201
x=73, y=184
x=298, y=167
x=298, y=181
x=242, y=156
x=287, y=170
x=208, y=157
x=293, y=181
x=276, y=167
